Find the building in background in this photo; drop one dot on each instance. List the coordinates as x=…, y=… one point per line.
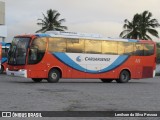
x=3, y=28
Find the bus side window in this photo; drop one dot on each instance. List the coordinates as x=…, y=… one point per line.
x=37, y=50
x=121, y=48
x=93, y=46
x=148, y=49
x=109, y=47
x=128, y=48
x=75, y=45
x=57, y=45
x=33, y=52
x=125, y=48
x=139, y=49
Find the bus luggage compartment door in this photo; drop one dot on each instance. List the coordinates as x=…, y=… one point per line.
x=37, y=70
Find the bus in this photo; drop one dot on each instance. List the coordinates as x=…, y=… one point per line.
x=4, y=51
x=0, y=55
x=56, y=54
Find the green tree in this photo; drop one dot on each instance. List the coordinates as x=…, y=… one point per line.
x=51, y=22
x=139, y=28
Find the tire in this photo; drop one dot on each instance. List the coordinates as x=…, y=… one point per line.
x=37, y=79
x=106, y=80
x=124, y=77
x=1, y=70
x=53, y=76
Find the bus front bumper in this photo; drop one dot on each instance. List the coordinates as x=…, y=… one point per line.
x=19, y=73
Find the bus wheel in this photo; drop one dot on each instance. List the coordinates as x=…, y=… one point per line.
x=1, y=70
x=53, y=76
x=37, y=79
x=106, y=80
x=124, y=77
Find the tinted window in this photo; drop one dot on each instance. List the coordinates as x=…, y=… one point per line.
x=93, y=46
x=37, y=50
x=57, y=45
x=75, y=45
x=125, y=48
x=138, y=49
x=148, y=49
x=109, y=47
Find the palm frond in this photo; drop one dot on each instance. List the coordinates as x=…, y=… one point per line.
x=140, y=25
x=50, y=21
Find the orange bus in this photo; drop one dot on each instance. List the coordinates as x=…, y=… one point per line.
x=54, y=55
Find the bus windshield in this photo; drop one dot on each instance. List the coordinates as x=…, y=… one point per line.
x=18, y=50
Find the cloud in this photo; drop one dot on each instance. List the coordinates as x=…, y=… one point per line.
x=97, y=16
x=107, y=29
x=24, y=27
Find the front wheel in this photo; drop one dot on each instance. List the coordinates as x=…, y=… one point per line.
x=53, y=76
x=124, y=77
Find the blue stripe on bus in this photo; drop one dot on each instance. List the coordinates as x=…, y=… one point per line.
x=132, y=40
x=120, y=60
x=42, y=35
x=4, y=60
x=69, y=62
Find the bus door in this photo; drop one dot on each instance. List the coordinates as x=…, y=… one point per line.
x=37, y=67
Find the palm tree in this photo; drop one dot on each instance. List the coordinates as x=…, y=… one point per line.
x=131, y=28
x=51, y=22
x=140, y=26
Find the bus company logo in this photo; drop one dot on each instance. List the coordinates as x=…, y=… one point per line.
x=79, y=59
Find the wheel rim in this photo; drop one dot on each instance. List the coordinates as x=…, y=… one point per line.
x=54, y=76
x=124, y=76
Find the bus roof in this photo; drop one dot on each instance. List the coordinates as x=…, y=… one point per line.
x=78, y=35
x=5, y=44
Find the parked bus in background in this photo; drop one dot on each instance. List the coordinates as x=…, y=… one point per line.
x=0, y=55
x=4, y=52
x=54, y=55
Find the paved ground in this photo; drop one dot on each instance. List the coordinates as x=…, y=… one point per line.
x=20, y=94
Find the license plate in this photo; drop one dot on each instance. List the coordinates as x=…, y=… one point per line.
x=12, y=74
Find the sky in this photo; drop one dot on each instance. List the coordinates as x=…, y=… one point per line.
x=105, y=17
